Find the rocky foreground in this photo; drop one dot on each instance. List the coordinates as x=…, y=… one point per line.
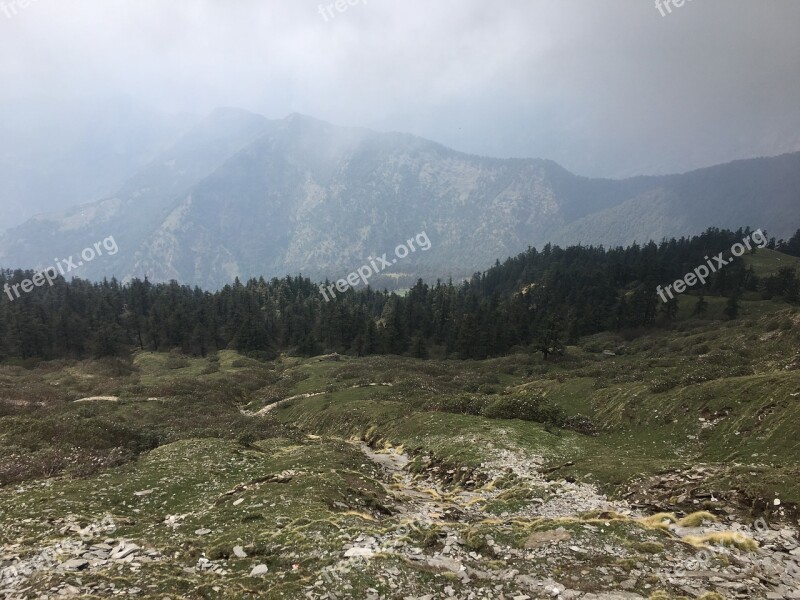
x=761, y=562
x=504, y=531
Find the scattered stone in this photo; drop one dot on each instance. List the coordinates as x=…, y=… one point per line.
x=76, y=564
x=123, y=551
x=540, y=538
x=359, y=553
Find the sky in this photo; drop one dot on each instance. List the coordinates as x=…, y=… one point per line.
x=610, y=89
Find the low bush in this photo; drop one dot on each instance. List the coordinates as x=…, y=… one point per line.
x=528, y=407
x=581, y=424
x=463, y=404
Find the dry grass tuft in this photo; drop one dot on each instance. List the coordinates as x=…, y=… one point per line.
x=659, y=520
x=697, y=519
x=723, y=538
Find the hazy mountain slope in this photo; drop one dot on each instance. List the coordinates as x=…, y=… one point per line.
x=764, y=192
x=54, y=155
x=245, y=196
x=322, y=200
x=140, y=206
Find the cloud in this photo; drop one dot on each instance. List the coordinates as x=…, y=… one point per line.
x=604, y=88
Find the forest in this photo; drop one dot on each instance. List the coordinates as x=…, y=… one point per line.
x=539, y=300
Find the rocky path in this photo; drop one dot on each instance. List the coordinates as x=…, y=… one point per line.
x=270, y=407
x=499, y=570
x=550, y=500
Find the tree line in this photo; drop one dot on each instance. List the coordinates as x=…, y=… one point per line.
x=538, y=300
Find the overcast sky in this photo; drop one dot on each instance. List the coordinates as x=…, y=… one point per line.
x=607, y=88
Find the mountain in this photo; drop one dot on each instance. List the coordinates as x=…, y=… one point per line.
x=61, y=154
x=242, y=195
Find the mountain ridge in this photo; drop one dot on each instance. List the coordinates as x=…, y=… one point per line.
x=241, y=195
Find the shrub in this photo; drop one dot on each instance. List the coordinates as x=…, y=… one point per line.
x=581, y=424
x=527, y=408
x=463, y=404
x=176, y=361
x=210, y=369
x=663, y=385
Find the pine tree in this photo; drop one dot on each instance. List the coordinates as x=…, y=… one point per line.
x=418, y=347
x=793, y=245
x=106, y=342
x=732, y=307
x=701, y=307
x=670, y=309
x=253, y=338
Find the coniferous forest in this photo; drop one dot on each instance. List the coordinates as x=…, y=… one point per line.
x=539, y=300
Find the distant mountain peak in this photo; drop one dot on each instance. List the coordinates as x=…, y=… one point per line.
x=297, y=194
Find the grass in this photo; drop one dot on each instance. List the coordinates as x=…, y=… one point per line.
x=697, y=519
x=722, y=394
x=767, y=262
x=659, y=521
x=708, y=390
x=723, y=538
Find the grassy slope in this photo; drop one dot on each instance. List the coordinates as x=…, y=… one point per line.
x=742, y=378
x=707, y=391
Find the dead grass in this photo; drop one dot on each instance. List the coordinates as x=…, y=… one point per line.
x=728, y=539
x=659, y=520
x=697, y=519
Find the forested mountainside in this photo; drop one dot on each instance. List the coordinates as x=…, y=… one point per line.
x=540, y=298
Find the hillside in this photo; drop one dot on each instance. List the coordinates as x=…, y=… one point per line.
x=244, y=196
x=643, y=463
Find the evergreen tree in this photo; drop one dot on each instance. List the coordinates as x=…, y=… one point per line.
x=732, y=306
x=253, y=338
x=521, y=302
x=793, y=245
x=106, y=342
x=418, y=347
x=670, y=309
x=700, y=307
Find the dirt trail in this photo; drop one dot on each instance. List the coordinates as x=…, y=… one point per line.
x=270, y=407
